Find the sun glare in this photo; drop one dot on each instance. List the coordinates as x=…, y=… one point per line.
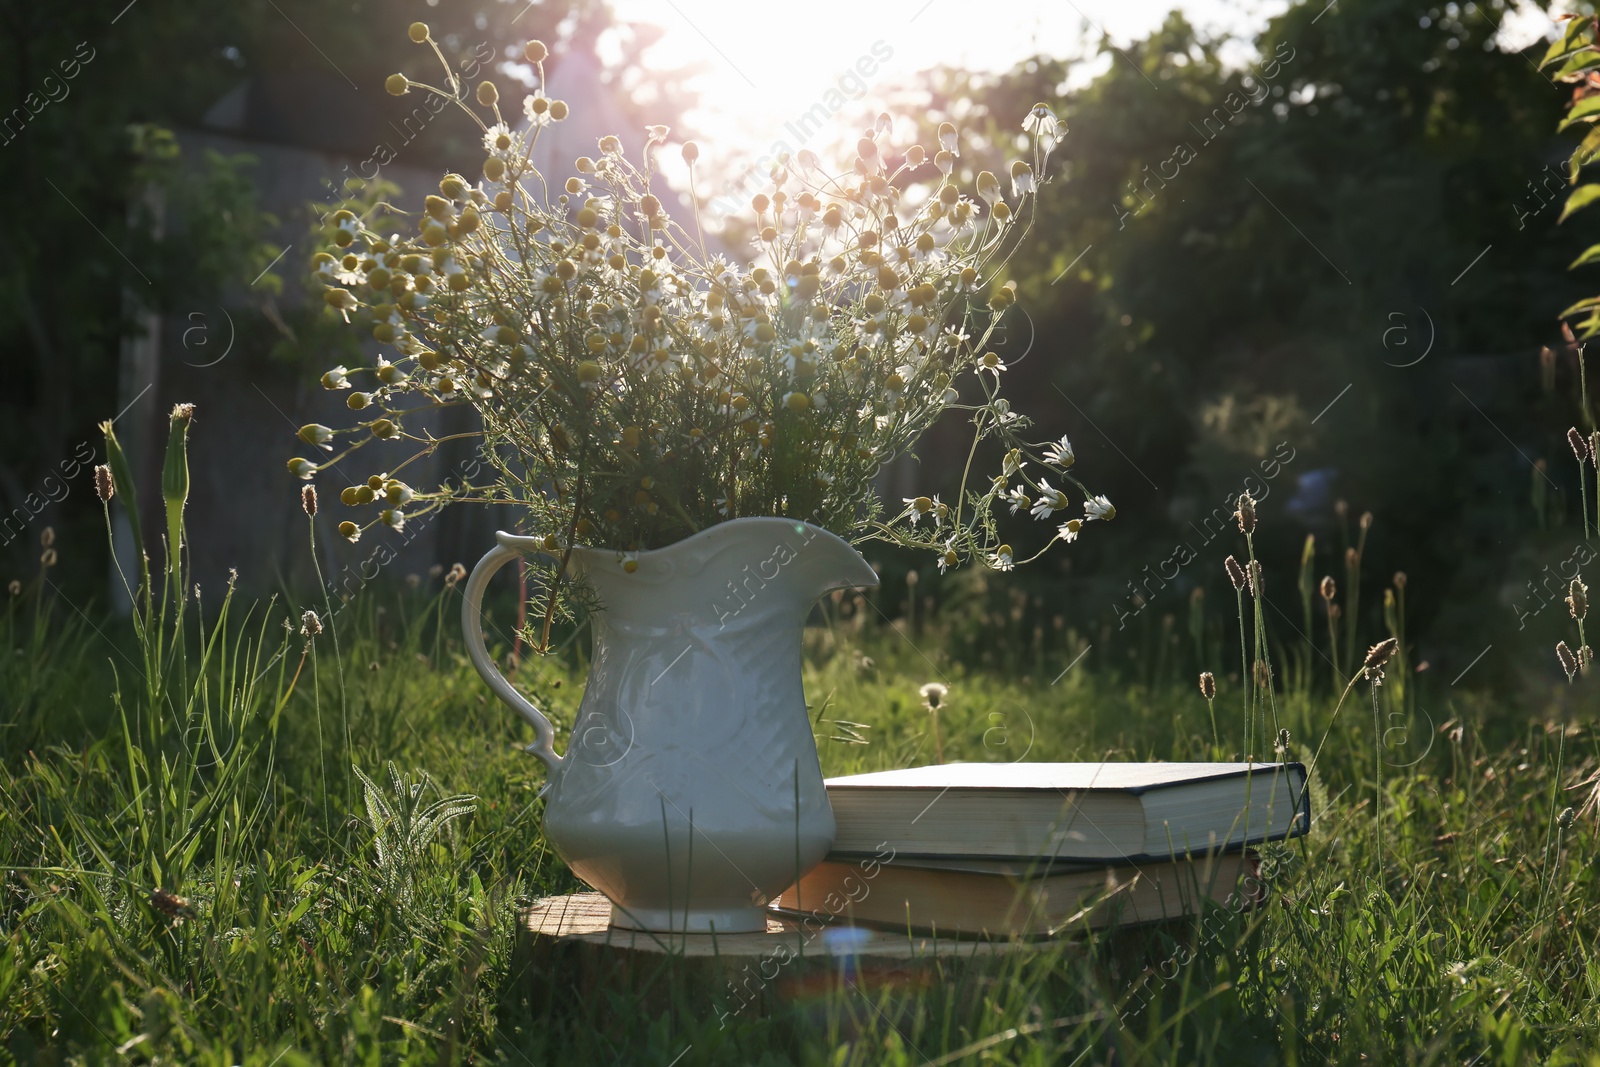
x=772, y=81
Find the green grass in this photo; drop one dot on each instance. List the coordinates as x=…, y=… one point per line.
x=1471, y=935
x=210, y=752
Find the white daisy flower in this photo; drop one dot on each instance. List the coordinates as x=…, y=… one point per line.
x=537, y=108
x=337, y=378
x=991, y=362
x=1021, y=179
x=947, y=138
x=1043, y=124
x=1068, y=531
x=317, y=434
x=1060, y=453
x=917, y=506
x=1098, y=507
x=1050, y=500
x=1001, y=558
x=1018, y=498
x=988, y=187
x=497, y=141
x=948, y=557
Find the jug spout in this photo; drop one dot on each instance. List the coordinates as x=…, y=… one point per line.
x=824, y=562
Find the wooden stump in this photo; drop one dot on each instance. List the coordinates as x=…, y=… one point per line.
x=568, y=950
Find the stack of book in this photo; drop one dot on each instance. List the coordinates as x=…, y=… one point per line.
x=1032, y=849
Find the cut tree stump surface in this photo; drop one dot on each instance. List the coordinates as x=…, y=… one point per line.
x=585, y=918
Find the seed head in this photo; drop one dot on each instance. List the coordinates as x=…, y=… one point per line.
x=1399, y=579
x=1564, y=820
x=1208, y=685
x=1580, y=447
x=310, y=625
x=14, y=587
x=1379, y=653
x=1569, y=662
x=1578, y=599
x=1352, y=559
x=104, y=485
x=1328, y=588
x=454, y=576
x=308, y=500
x=1340, y=508
x=1281, y=746
x=1235, y=573
x=47, y=558
x=1366, y=520
x=1246, y=514
x=171, y=905
x=1257, y=582
x=933, y=695
x=47, y=537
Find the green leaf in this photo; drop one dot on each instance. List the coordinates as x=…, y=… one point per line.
x=1590, y=255
x=1571, y=39
x=1584, y=59
x=1581, y=197
x=1585, y=110
x=1585, y=153
x=1591, y=303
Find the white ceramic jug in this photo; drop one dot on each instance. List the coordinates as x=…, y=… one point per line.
x=690, y=793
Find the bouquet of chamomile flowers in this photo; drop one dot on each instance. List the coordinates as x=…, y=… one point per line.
x=634, y=389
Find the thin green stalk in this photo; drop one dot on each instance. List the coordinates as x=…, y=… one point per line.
x=1550, y=825
x=1377, y=775
x=1583, y=488
x=338, y=656
x=1244, y=669
x=1263, y=651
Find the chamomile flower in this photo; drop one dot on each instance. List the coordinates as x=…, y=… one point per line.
x=1098, y=507
x=948, y=557
x=1043, y=124
x=1018, y=498
x=1001, y=559
x=317, y=434
x=1021, y=179
x=918, y=506
x=337, y=378
x=1060, y=453
x=947, y=138
x=988, y=187
x=537, y=108
x=1050, y=500
x=992, y=363
x=1068, y=531
x=498, y=142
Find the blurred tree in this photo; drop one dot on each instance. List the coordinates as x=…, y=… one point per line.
x=1228, y=248
x=91, y=173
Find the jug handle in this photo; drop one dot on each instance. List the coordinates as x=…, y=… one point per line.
x=509, y=548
